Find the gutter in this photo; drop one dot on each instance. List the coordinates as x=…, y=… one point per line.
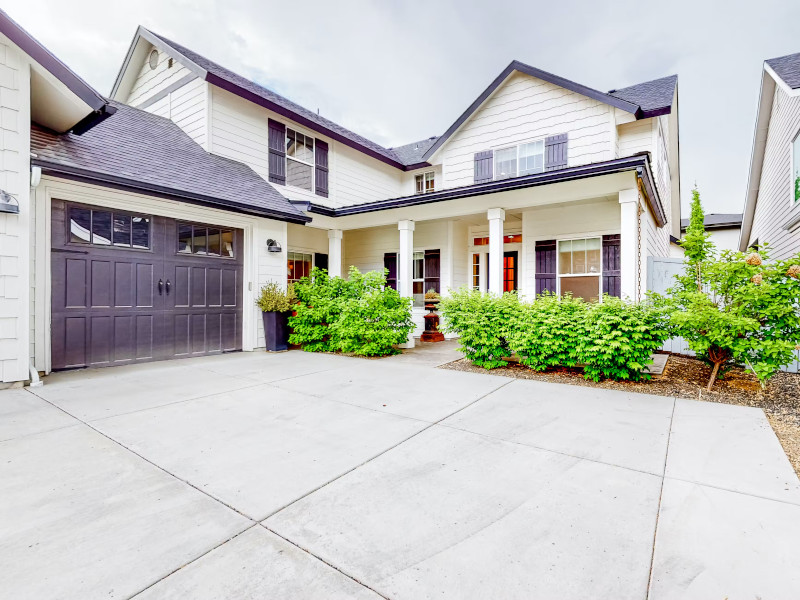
x=639, y=163
x=121, y=183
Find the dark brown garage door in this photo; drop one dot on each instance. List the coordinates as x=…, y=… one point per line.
x=129, y=287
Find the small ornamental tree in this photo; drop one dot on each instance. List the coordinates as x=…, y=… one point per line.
x=697, y=246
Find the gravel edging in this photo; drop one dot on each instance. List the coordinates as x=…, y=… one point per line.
x=686, y=377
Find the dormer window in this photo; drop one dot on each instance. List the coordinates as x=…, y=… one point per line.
x=425, y=182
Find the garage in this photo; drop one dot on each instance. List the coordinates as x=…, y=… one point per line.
x=129, y=287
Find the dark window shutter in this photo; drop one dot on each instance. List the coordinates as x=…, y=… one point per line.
x=321, y=260
x=321, y=168
x=277, y=152
x=432, y=271
x=390, y=264
x=555, y=152
x=484, y=165
x=545, y=266
x=611, y=282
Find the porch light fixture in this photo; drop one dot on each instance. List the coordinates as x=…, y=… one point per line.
x=273, y=246
x=8, y=204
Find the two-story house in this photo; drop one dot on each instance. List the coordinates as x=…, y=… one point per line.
x=772, y=202
x=152, y=232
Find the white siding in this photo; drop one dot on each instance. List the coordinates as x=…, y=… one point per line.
x=150, y=82
x=774, y=207
x=525, y=108
x=657, y=238
x=14, y=228
x=240, y=132
x=307, y=239
x=187, y=107
x=636, y=136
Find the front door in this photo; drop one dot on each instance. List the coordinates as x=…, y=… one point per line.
x=510, y=269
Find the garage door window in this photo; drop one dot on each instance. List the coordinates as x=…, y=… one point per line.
x=208, y=241
x=107, y=228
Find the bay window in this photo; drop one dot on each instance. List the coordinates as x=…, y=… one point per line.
x=580, y=267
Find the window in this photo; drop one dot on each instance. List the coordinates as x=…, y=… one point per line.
x=579, y=268
x=202, y=240
x=299, y=160
x=107, y=228
x=425, y=183
x=796, y=169
x=300, y=264
x=418, y=278
x=476, y=271
x=525, y=159
x=510, y=271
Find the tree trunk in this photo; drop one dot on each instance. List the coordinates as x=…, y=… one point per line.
x=713, y=378
x=718, y=356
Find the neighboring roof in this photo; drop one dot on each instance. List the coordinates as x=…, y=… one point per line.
x=249, y=90
x=639, y=163
x=141, y=151
x=97, y=104
x=652, y=93
x=654, y=97
x=787, y=68
x=718, y=221
x=411, y=154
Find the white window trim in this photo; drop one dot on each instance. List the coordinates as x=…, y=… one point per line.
x=516, y=147
x=792, y=201
x=559, y=274
x=298, y=251
x=312, y=164
x=484, y=257
x=424, y=181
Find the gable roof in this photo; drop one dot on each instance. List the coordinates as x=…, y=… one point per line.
x=412, y=154
x=258, y=94
x=97, y=107
x=787, y=68
x=626, y=99
x=718, y=221
x=140, y=151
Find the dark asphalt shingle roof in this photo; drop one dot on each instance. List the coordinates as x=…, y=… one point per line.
x=413, y=153
x=787, y=68
x=259, y=90
x=718, y=221
x=652, y=96
x=151, y=153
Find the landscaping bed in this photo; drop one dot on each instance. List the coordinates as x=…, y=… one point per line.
x=686, y=377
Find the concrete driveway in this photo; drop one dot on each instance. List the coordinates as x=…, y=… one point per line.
x=298, y=475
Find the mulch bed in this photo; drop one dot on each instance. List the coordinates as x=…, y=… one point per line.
x=686, y=377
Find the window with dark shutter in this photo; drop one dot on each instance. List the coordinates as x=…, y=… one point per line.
x=611, y=278
x=432, y=271
x=484, y=162
x=321, y=168
x=555, y=152
x=545, y=266
x=277, y=152
x=390, y=264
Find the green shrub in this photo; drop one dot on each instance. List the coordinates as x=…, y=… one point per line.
x=359, y=315
x=617, y=338
x=274, y=298
x=482, y=323
x=546, y=333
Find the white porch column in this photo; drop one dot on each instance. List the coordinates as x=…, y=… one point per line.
x=405, y=259
x=496, y=218
x=628, y=242
x=335, y=252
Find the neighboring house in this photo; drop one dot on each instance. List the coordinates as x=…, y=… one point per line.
x=151, y=232
x=724, y=229
x=772, y=204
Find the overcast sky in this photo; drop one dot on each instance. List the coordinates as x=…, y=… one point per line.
x=397, y=72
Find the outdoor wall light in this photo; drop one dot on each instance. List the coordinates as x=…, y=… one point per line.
x=8, y=204
x=273, y=246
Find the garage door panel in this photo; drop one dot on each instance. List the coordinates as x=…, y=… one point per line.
x=214, y=332
x=145, y=285
x=180, y=290
x=100, y=340
x=198, y=334
x=230, y=331
x=124, y=338
x=198, y=286
x=214, y=287
x=230, y=287
x=75, y=283
x=181, y=338
x=145, y=340
x=123, y=285
x=101, y=283
x=75, y=341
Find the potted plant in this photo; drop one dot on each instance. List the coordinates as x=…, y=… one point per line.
x=432, y=333
x=275, y=304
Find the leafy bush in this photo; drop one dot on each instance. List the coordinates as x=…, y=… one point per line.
x=482, y=322
x=617, y=338
x=359, y=315
x=274, y=298
x=547, y=333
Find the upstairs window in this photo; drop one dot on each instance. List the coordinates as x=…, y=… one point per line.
x=299, y=160
x=524, y=159
x=425, y=183
x=796, y=169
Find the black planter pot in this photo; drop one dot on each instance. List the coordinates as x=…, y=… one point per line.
x=276, y=331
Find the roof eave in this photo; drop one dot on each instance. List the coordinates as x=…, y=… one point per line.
x=116, y=182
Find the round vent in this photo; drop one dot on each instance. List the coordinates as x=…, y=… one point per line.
x=153, y=60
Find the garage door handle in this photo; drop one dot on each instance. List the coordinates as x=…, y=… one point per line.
x=160, y=286
x=168, y=284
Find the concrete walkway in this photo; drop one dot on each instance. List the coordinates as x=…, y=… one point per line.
x=298, y=475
